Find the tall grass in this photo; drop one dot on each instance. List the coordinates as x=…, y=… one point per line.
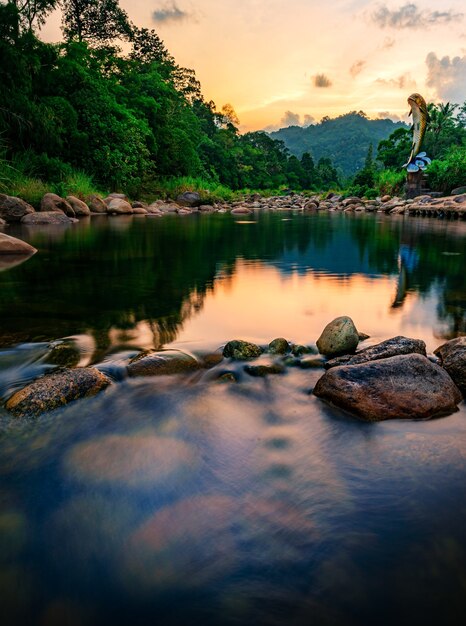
x=170, y=188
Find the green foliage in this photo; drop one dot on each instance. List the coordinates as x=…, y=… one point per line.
x=97, y=21
x=450, y=172
x=391, y=182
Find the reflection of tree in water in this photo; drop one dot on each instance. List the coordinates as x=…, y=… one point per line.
x=93, y=280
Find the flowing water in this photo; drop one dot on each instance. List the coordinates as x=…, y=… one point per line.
x=179, y=500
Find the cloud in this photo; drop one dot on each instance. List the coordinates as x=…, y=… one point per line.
x=308, y=120
x=405, y=81
x=357, y=68
x=322, y=81
x=169, y=13
x=388, y=43
x=290, y=119
x=410, y=16
x=447, y=76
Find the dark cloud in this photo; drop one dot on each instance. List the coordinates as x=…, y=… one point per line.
x=169, y=13
x=357, y=68
x=447, y=76
x=322, y=81
x=405, y=81
x=410, y=16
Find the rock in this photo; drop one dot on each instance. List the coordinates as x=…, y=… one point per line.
x=279, y=346
x=162, y=363
x=170, y=207
x=139, y=205
x=311, y=206
x=12, y=246
x=184, y=211
x=338, y=337
x=352, y=200
x=96, y=204
x=460, y=198
x=452, y=356
x=79, y=207
x=299, y=350
x=386, y=198
x=211, y=359
x=2, y=222
x=189, y=198
x=363, y=336
x=264, y=370
x=309, y=362
x=139, y=210
x=458, y=191
x=64, y=354
x=207, y=208
x=119, y=196
x=13, y=209
x=400, y=387
x=118, y=206
x=52, y=203
x=241, y=210
x=50, y=392
x=385, y=349
x=52, y=217
x=241, y=350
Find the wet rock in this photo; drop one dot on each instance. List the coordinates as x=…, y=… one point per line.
x=384, y=350
x=79, y=207
x=260, y=371
x=12, y=246
x=96, y=204
x=452, y=356
x=363, y=336
x=189, y=199
x=338, y=337
x=310, y=362
x=51, y=202
x=211, y=359
x=279, y=346
x=241, y=350
x=118, y=206
x=52, y=217
x=12, y=209
x=299, y=350
x=56, y=390
x=134, y=461
x=227, y=377
x=64, y=354
x=162, y=363
x=400, y=387
x=241, y=210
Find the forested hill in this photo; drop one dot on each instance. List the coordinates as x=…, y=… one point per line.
x=345, y=139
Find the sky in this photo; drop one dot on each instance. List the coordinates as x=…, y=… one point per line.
x=285, y=62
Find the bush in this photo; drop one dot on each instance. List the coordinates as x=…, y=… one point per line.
x=449, y=173
x=391, y=182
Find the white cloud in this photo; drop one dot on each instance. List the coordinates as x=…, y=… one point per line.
x=447, y=76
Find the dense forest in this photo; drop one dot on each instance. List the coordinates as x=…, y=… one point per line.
x=108, y=108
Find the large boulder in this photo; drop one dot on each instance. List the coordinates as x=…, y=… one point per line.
x=241, y=350
x=189, y=198
x=384, y=350
x=279, y=346
x=53, y=203
x=400, y=387
x=52, y=217
x=118, y=206
x=79, y=207
x=452, y=355
x=162, y=363
x=340, y=336
x=12, y=246
x=13, y=209
x=56, y=390
x=96, y=204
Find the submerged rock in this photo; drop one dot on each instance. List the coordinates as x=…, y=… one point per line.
x=12, y=209
x=64, y=354
x=50, y=392
x=49, y=217
x=162, y=363
x=12, y=246
x=299, y=350
x=400, y=387
x=259, y=371
x=452, y=356
x=241, y=350
x=279, y=346
x=338, y=337
x=384, y=350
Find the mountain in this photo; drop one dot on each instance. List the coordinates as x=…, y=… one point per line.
x=344, y=139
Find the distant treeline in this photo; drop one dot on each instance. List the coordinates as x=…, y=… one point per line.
x=123, y=119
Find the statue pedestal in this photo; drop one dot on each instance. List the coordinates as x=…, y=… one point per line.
x=416, y=184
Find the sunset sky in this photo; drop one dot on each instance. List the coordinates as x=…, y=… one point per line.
x=282, y=62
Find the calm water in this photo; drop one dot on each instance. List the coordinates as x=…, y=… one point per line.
x=183, y=501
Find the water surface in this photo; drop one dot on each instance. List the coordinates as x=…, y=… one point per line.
x=182, y=501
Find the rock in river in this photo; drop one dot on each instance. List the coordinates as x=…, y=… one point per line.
x=338, y=337
x=452, y=355
x=162, y=363
x=50, y=392
x=279, y=346
x=79, y=207
x=241, y=350
x=48, y=217
x=13, y=209
x=384, y=350
x=189, y=198
x=12, y=246
x=51, y=202
x=407, y=386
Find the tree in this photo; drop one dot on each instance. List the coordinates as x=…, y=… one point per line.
x=32, y=12
x=98, y=21
x=309, y=170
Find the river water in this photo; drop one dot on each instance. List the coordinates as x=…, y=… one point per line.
x=179, y=500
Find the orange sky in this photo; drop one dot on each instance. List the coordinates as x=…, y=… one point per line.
x=277, y=61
